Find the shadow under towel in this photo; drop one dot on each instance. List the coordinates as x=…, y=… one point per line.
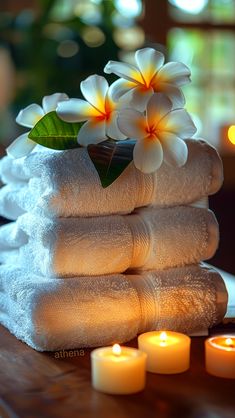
x=51, y=314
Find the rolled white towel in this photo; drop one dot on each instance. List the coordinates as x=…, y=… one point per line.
x=66, y=184
x=229, y=280
x=147, y=239
x=77, y=312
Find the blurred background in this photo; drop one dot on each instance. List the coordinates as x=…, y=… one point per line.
x=51, y=45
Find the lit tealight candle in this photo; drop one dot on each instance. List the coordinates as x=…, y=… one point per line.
x=220, y=356
x=118, y=370
x=167, y=352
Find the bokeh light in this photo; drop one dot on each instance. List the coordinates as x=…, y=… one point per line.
x=193, y=6
x=93, y=36
x=130, y=38
x=231, y=134
x=67, y=49
x=129, y=8
x=88, y=12
x=57, y=32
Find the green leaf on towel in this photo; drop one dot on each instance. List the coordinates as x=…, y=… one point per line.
x=110, y=158
x=52, y=132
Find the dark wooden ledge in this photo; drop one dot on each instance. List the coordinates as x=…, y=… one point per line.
x=39, y=385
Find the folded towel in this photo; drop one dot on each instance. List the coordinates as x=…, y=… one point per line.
x=77, y=312
x=148, y=239
x=66, y=184
x=229, y=280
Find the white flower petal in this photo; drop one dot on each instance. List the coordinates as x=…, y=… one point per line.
x=92, y=132
x=21, y=147
x=49, y=103
x=148, y=155
x=132, y=123
x=175, y=149
x=149, y=61
x=94, y=89
x=30, y=115
x=112, y=129
x=120, y=87
x=174, y=73
x=157, y=107
x=127, y=71
x=177, y=122
x=76, y=110
x=136, y=98
x=174, y=93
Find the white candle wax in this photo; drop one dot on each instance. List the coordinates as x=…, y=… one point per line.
x=220, y=356
x=167, y=352
x=118, y=370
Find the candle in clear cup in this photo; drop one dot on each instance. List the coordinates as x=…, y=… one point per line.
x=167, y=352
x=118, y=370
x=220, y=356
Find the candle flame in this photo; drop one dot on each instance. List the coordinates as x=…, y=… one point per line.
x=229, y=342
x=117, y=350
x=163, y=336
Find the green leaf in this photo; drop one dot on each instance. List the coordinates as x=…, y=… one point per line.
x=52, y=132
x=110, y=158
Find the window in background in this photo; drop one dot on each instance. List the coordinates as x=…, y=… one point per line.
x=205, y=41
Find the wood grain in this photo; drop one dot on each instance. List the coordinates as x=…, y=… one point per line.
x=38, y=385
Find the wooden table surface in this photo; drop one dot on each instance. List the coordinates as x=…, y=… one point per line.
x=39, y=385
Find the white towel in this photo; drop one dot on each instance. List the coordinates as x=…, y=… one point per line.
x=77, y=312
x=147, y=239
x=229, y=280
x=66, y=184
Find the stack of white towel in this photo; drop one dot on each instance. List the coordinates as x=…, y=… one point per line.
x=87, y=266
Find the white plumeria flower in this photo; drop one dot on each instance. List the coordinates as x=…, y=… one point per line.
x=100, y=112
x=159, y=133
x=28, y=117
x=138, y=83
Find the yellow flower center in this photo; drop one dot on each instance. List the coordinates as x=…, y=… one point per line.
x=144, y=80
x=109, y=106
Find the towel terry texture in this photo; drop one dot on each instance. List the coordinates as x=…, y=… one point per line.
x=85, y=266
x=77, y=312
x=147, y=239
x=66, y=184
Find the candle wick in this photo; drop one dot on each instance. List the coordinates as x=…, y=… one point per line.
x=163, y=338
